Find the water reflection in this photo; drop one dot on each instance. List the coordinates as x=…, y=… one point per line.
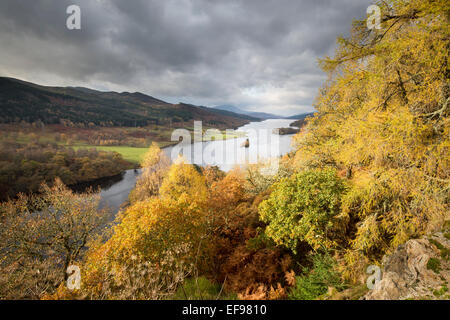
x=114, y=191
x=263, y=144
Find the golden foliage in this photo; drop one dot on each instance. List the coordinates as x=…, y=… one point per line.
x=383, y=120
x=41, y=235
x=163, y=234
x=155, y=165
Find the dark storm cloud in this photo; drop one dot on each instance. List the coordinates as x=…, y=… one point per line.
x=260, y=55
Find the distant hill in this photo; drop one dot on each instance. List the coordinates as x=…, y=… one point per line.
x=300, y=116
x=259, y=115
x=230, y=108
x=29, y=102
x=232, y=114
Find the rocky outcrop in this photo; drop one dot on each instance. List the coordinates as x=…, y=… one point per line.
x=419, y=269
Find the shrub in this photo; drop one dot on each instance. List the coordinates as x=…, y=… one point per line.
x=316, y=281
x=434, y=265
x=302, y=208
x=155, y=166
x=200, y=288
x=240, y=255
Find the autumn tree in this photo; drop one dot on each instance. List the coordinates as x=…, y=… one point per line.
x=155, y=165
x=42, y=235
x=304, y=208
x=382, y=122
x=238, y=256
x=184, y=181
x=161, y=235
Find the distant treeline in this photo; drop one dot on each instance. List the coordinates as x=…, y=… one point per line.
x=293, y=129
x=23, y=167
x=284, y=131
x=299, y=123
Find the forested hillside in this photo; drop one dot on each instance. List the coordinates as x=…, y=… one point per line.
x=23, y=101
x=24, y=167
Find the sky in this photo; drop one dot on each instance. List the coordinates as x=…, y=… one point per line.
x=258, y=55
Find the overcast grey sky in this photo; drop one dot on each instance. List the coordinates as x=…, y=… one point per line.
x=259, y=55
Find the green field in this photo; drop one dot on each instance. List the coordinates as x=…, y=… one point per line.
x=131, y=154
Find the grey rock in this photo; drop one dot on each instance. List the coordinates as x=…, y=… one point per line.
x=406, y=274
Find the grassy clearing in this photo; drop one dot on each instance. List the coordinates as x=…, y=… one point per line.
x=131, y=154
x=224, y=136
x=132, y=147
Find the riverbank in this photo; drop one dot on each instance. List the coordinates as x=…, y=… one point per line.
x=293, y=128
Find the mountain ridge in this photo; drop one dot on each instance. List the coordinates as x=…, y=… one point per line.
x=26, y=101
x=260, y=115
